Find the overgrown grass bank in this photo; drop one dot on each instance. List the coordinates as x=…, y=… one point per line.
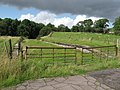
x=15, y=71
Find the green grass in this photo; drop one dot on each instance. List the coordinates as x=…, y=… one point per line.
x=34, y=42
x=16, y=71
x=80, y=38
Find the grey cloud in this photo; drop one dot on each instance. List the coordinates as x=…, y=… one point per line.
x=100, y=8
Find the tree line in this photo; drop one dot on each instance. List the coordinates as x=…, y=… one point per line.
x=30, y=29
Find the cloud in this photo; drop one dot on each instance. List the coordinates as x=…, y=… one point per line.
x=98, y=8
x=48, y=17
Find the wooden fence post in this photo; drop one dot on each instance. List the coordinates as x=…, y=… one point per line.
x=53, y=56
x=116, y=51
x=117, y=47
x=64, y=55
x=41, y=54
x=19, y=47
x=10, y=47
x=75, y=55
x=22, y=55
x=92, y=54
x=82, y=56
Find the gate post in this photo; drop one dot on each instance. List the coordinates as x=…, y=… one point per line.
x=116, y=50
x=82, y=56
x=10, y=46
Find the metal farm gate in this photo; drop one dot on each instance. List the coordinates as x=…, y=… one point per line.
x=53, y=54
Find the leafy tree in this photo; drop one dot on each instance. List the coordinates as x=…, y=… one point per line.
x=3, y=26
x=53, y=28
x=75, y=29
x=80, y=25
x=45, y=31
x=101, y=25
x=14, y=24
x=29, y=29
x=88, y=25
x=117, y=26
x=23, y=30
x=63, y=28
x=38, y=28
x=8, y=27
x=85, y=26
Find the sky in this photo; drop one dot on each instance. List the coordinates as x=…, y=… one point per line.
x=67, y=12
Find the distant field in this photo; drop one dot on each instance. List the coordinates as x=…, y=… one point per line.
x=80, y=38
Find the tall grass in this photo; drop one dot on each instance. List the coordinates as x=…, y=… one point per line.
x=17, y=71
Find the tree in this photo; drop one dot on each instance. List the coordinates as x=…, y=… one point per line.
x=101, y=25
x=3, y=26
x=117, y=25
x=53, y=28
x=63, y=28
x=75, y=29
x=8, y=27
x=80, y=25
x=85, y=26
x=88, y=25
x=23, y=30
x=45, y=31
x=29, y=29
x=14, y=24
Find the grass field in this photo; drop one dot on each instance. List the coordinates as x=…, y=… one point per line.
x=80, y=38
x=17, y=71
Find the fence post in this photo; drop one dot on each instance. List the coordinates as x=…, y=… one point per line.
x=64, y=55
x=19, y=48
x=10, y=46
x=22, y=55
x=101, y=54
x=41, y=54
x=53, y=56
x=82, y=56
x=117, y=47
x=92, y=54
x=116, y=50
x=75, y=55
